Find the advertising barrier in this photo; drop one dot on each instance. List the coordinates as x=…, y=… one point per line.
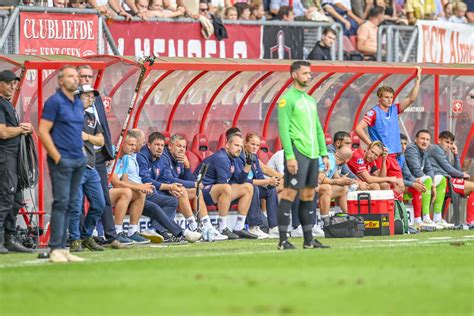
x=444, y=42
x=58, y=34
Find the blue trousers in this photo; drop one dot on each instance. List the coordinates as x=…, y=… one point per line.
x=92, y=188
x=271, y=196
x=161, y=209
x=65, y=179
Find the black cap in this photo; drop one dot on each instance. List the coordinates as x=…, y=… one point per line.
x=8, y=75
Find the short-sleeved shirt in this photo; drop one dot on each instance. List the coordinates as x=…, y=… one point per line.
x=8, y=116
x=133, y=170
x=68, y=119
x=420, y=9
x=383, y=126
x=357, y=164
x=91, y=127
x=332, y=165
x=121, y=167
x=277, y=162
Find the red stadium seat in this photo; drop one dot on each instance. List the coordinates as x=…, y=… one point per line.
x=328, y=138
x=200, y=146
x=264, y=154
x=355, y=140
x=167, y=137
x=278, y=146
x=193, y=160
x=222, y=141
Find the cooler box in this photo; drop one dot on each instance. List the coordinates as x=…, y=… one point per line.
x=381, y=202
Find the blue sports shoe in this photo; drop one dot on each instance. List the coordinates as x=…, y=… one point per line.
x=139, y=239
x=123, y=239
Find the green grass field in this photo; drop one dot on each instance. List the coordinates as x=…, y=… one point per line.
x=427, y=274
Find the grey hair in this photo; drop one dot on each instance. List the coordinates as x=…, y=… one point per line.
x=175, y=138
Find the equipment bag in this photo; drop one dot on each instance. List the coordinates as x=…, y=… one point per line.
x=400, y=218
x=343, y=225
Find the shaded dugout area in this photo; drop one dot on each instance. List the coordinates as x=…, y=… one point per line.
x=201, y=98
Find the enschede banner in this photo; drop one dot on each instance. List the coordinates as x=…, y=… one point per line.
x=184, y=40
x=444, y=42
x=283, y=42
x=57, y=33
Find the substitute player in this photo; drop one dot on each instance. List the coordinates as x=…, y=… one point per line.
x=382, y=123
x=303, y=143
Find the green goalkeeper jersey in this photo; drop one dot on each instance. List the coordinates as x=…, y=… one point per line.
x=299, y=126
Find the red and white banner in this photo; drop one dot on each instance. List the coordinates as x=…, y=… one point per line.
x=184, y=40
x=444, y=42
x=58, y=34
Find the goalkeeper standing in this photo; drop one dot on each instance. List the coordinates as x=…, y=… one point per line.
x=303, y=143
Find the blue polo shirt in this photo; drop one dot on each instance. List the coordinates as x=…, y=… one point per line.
x=68, y=119
x=221, y=169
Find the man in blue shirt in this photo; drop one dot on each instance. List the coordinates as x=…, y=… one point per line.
x=177, y=169
x=222, y=185
x=161, y=204
x=60, y=132
x=382, y=124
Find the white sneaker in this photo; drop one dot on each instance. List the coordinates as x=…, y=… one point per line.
x=152, y=236
x=297, y=232
x=317, y=231
x=70, y=257
x=57, y=256
x=191, y=236
x=444, y=224
x=212, y=234
x=273, y=233
x=427, y=222
x=257, y=231
x=218, y=236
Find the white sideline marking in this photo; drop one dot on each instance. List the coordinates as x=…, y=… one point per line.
x=243, y=253
x=439, y=238
x=389, y=240
x=469, y=236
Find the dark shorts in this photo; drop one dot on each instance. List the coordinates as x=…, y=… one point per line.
x=307, y=175
x=206, y=194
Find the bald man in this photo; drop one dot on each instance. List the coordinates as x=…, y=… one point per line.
x=332, y=184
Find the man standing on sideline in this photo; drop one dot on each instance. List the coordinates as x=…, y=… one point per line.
x=10, y=197
x=382, y=123
x=81, y=235
x=303, y=143
x=60, y=132
x=103, y=155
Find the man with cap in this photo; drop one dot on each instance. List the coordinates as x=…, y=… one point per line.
x=10, y=197
x=81, y=235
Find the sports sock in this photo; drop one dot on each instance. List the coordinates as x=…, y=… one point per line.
x=426, y=217
x=417, y=220
x=222, y=223
x=132, y=229
x=118, y=229
x=323, y=220
x=206, y=221
x=416, y=201
x=239, y=224
x=191, y=223
x=304, y=213
x=426, y=196
x=437, y=217
x=284, y=211
x=440, y=183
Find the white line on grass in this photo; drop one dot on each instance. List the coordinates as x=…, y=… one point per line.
x=387, y=240
x=439, y=238
x=243, y=253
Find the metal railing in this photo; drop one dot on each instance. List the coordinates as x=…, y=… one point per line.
x=10, y=30
x=397, y=43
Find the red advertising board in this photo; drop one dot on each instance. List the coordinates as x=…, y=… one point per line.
x=58, y=34
x=184, y=40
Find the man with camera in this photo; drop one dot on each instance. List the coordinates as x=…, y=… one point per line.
x=10, y=197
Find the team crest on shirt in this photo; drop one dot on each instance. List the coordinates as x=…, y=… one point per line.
x=232, y=169
x=360, y=161
x=157, y=172
x=370, y=113
x=90, y=123
x=178, y=169
x=282, y=103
